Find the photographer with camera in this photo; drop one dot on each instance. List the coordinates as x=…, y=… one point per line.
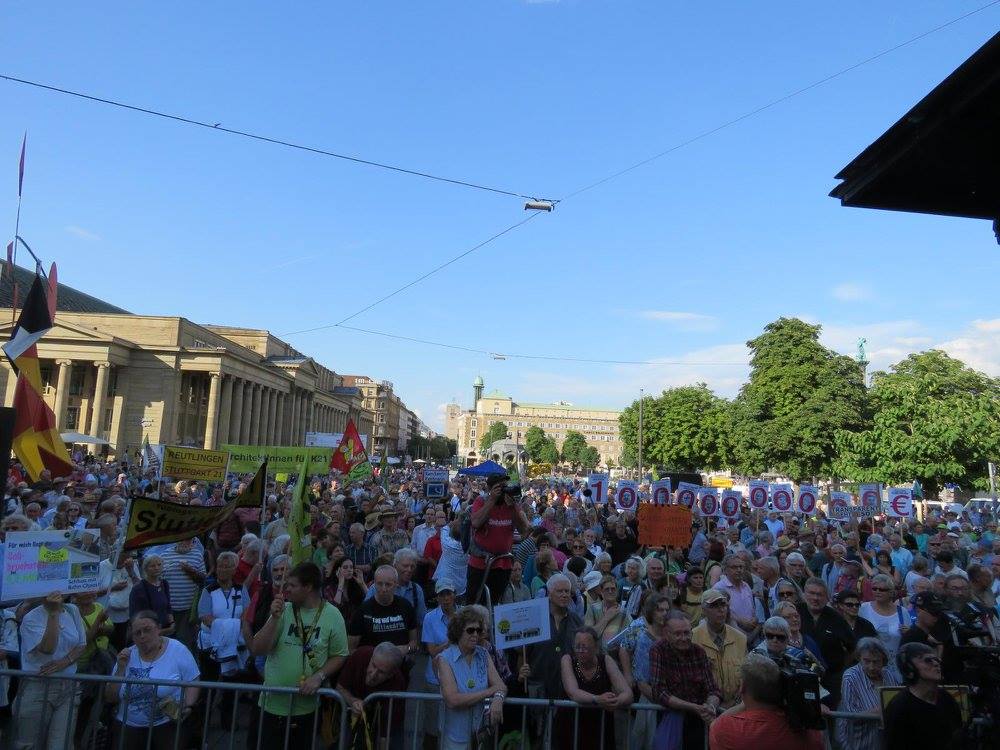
x=493, y=520
x=923, y=715
x=760, y=719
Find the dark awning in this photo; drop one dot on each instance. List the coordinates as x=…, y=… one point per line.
x=943, y=156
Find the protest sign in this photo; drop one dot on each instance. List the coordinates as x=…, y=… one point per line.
x=729, y=506
x=870, y=496
x=195, y=463
x=758, y=494
x=521, y=623
x=664, y=526
x=805, y=503
x=721, y=482
x=435, y=482
x=627, y=494
x=781, y=497
x=539, y=470
x=840, y=503
x=661, y=492
x=38, y=563
x=900, y=504
x=708, y=501
x=598, y=484
x=328, y=439
x=246, y=458
x=687, y=494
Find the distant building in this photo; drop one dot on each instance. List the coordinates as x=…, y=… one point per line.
x=466, y=426
x=394, y=423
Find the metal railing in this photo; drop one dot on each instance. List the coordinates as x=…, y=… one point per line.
x=89, y=731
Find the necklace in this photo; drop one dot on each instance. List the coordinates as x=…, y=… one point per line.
x=161, y=647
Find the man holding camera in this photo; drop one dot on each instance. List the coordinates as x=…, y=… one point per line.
x=494, y=519
x=759, y=720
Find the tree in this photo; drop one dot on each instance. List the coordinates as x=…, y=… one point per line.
x=534, y=441
x=497, y=431
x=589, y=457
x=573, y=447
x=933, y=419
x=684, y=429
x=800, y=394
x=550, y=452
x=441, y=448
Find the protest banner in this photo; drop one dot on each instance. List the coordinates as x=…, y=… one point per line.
x=38, y=563
x=870, y=496
x=350, y=458
x=627, y=494
x=781, y=497
x=729, y=505
x=159, y=522
x=721, y=483
x=687, y=494
x=708, y=501
x=539, y=470
x=661, y=492
x=246, y=458
x=194, y=463
x=521, y=623
x=840, y=503
x=598, y=484
x=900, y=503
x=328, y=440
x=805, y=503
x=758, y=494
x=435, y=483
x=664, y=526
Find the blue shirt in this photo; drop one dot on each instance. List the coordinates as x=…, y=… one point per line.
x=459, y=724
x=902, y=558
x=435, y=630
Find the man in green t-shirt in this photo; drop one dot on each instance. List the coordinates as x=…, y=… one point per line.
x=305, y=642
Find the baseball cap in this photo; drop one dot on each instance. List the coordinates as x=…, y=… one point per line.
x=711, y=596
x=444, y=584
x=928, y=600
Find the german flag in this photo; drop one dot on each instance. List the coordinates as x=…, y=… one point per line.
x=36, y=443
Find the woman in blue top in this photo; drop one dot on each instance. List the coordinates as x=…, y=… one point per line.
x=468, y=678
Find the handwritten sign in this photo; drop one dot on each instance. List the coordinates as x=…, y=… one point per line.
x=521, y=623
x=195, y=463
x=37, y=563
x=661, y=492
x=664, y=525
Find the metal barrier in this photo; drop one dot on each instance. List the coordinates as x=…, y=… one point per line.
x=168, y=726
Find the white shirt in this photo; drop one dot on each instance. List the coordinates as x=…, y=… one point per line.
x=421, y=534
x=174, y=664
x=72, y=633
x=454, y=563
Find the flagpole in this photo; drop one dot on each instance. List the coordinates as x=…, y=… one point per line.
x=17, y=231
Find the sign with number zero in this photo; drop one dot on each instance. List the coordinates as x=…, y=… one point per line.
x=687, y=494
x=807, y=499
x=626, y=495
x=758, y=494
x=730, y=505
x=708, y=502
x=781, y=497
x=661, y=492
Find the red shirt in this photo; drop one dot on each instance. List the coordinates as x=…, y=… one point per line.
x=496, y=536
x=352, y=677
x=760, y=728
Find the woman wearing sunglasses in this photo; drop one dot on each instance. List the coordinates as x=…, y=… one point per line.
x=468, y=678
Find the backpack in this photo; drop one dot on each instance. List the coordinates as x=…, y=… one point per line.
x=465, y=533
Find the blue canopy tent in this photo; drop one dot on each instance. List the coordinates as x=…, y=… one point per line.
x=485, y=469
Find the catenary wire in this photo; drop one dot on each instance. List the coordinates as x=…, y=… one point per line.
x=263, y=138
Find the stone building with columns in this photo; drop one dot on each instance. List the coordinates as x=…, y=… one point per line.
x=118, y=376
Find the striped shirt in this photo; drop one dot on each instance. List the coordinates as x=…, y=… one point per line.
x=360, y=554
x=860, y=695
x=182, y=588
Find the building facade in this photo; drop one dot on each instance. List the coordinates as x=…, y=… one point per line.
x=390, y=423
x=598, y=426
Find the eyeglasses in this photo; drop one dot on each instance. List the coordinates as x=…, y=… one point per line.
x=776, y=636
x=473, y=630
x=786, y=594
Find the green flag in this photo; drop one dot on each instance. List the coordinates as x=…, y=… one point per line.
x=383, y=471
x=300, y=547
x=655, y=474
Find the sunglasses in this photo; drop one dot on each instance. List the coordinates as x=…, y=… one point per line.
x=786, y=594
x=776, y=636
x=473, y=631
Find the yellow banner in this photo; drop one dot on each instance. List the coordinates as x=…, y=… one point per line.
x=539, y=470
x=194, y=463
x=724, y=482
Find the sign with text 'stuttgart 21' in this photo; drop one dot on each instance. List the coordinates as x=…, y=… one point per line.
x=598, y=485
x=900, y=503
x=194, y=463
x=660, y=491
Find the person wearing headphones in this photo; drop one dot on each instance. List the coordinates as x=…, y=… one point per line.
x=922, y=715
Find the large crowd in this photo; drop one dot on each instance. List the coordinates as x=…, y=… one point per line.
x=396, y=591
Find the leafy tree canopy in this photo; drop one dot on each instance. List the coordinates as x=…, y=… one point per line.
x=497, y=431
x=549, y=453
x=573, y=447
x=534, y=442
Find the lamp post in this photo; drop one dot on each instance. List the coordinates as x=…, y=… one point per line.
x=641, y=392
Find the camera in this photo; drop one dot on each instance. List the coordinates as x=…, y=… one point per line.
x=510, y=490
x=800, y=692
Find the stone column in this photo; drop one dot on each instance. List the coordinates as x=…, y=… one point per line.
x=236, y=412
x=225, y=409
x=212, y=418
x=100, y=392
x=265, y=417
x=293, y=435
x=62, y=390
x=272, y=417
x=255, y=415
x=247, y=413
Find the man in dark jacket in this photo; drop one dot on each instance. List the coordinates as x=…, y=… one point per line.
x=831, y=632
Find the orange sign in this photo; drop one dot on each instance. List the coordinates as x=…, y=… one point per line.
x=664, y=525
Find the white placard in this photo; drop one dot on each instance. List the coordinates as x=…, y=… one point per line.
x=900, y=503
x=687, y=494
x=37, y=563
x=805, y=503
x=781, y=497
x=660, y=492
x=870, y=496
x=729, y=506
x=521, y=623
x=840, y=504
x=627, y=494
x=708, y=501
x=758, y=494
x=329, y=439
x=598, y=485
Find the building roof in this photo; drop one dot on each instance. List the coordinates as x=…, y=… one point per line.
x=498, y=394
x=68, y=299
x=941, y=156
x=567, y=407
x=478, y=382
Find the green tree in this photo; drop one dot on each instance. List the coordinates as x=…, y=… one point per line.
x=800, y=394
x=441, y=448
x=549, y=453
x=497, y=431
x=684, y=429
x=589, y=457
x=573, y=447
x=933, y=419
x=534, y=441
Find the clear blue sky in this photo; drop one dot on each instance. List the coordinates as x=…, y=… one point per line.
x=683, y=259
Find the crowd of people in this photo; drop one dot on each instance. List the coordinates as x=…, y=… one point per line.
x=392, y=591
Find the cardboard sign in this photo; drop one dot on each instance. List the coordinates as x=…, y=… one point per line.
x=661, y=492
x=598, y=484
x=687, y=494
x=729, y=506
x=758, y=494
x=805, y=503
x=521, y=623
x=37, y=563
x=781, y=497
x=664, y=526
x=627, y=494
x=195, y=463
x=870, y=496
x=900, y=504
x=708, y=501
x=840, y=503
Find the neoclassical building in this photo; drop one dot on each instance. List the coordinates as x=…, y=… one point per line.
x=118, y=376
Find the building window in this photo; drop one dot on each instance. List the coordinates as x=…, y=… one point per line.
x=76, y=378
x=474, y=422
x=112, y=383
x=45, y=370
x=72, y=417
x=473, y=433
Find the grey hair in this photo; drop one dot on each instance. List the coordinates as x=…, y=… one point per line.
x=872, y=646
x=357, y=526
x=771, y=562
x=390, y=653
x=639, y=562
x=148, y=559
x=388, y=569
x=781, y=606
x=884, y=579
x=483, y=613
x=601, y=557
x=278, y=559
x=765, y=537
x=795, y=557
x=404, y=553
x=559, y=578
x=778, y=623
x=248, y=538
x=228, y=556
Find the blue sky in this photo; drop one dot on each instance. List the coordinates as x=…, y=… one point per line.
x=681, y=260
